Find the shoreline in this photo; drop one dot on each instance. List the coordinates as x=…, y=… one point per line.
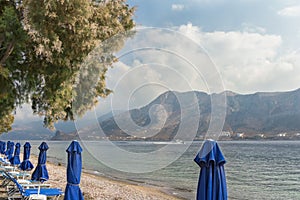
x=99, y=186
x=165, y=190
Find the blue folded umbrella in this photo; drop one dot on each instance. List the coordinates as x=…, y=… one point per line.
x=10, y=150
x=72, y=191
x=40, y=173
x=212, y=179
x=26, y=165
x=7, y=148
x=2, y=147
x=15, y=160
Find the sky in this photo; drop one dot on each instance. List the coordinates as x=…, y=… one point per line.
x=244, y=46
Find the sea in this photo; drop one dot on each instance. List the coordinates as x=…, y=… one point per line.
x=254, y=169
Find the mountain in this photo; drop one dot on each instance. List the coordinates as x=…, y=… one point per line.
x=59, y=135
x=261, y=114
x=36, y=131
x=274, y=115
x=29, y=131
x=109, y=115
x=264, y=112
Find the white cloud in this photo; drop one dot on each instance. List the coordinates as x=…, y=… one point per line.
x=249, y=62
x=251, y=28
x=177, y=7
x=291, y=11
x=174, y=63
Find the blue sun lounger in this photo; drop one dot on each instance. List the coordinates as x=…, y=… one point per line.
x=26, y=193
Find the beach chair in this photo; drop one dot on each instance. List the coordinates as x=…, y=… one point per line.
x=7, y=179
x=19, y=175
x=3, y=161
x=4, y=178
x=19, y=192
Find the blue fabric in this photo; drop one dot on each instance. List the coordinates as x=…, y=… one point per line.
x=15, y=160
x=10, y=150
x=2, y=147
x=28, y=192
x=7, y=145
x=72, y=191
x=26, y=165
x=212, y=179
x=40, y=173
x=45, y=191
x=7, y=148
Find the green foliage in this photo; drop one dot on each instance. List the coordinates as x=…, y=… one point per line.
x=43, y=45
x=7, y=102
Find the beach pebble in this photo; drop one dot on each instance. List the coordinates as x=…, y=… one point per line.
x=97, y=187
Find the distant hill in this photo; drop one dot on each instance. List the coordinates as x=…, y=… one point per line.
x=109, y=115
x=252, y=114
x=36, y=131
x=261, y=114
x=269, y=113
x=30, y=131
x=59, y=135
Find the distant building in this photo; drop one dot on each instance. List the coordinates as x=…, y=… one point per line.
x=225, y=134
x=281, y=135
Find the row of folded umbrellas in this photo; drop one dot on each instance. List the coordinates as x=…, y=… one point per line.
x=12, y=153
x=211, y=185
x=74, y=166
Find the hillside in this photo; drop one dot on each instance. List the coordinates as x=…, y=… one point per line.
x=30, y=131
x=254, y=114
x=261, y=115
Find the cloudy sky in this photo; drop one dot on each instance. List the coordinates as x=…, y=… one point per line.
x=246, y=46
x=254, y=45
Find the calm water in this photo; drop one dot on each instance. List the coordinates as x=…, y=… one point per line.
x=254, y=170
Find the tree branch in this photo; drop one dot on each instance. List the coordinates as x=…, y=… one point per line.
x=8, y=51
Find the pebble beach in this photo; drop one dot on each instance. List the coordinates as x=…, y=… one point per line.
x=97, y=187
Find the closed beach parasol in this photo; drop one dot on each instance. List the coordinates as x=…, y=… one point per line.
x=2, y=147
x=40, y=173
x=26, y=165
x=15, y=160
x=10, y=150
x=2, y=152
x=72, y=191
x=7, y=148
x=212, y=180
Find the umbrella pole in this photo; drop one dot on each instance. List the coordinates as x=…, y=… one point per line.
x=39, y=188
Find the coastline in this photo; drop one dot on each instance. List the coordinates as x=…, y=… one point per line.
x=96, y=186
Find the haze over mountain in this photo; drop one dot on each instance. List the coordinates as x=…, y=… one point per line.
x=252, y=114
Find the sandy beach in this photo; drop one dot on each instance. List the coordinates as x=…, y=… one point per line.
x=97, y=187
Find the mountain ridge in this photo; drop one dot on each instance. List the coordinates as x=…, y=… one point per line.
x=267, y=113
x=259, y=115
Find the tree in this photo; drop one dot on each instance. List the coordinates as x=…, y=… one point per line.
x=43, y=52
x=13, y=39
